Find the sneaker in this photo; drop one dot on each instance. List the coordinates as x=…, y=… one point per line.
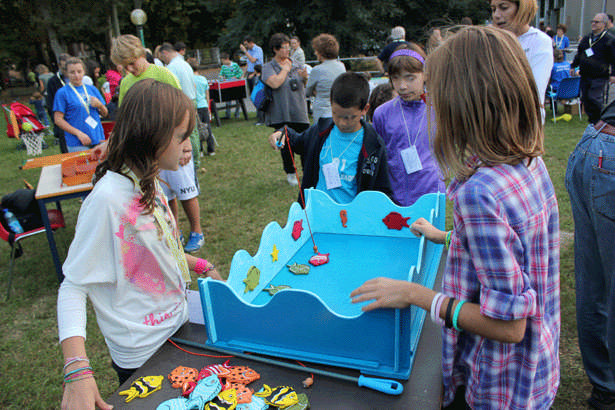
x=211, y=154
x=291, y=179
x=195, y=242
x=259, y=123
x=601, y=400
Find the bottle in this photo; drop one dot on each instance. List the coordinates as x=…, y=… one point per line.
x=12, y=221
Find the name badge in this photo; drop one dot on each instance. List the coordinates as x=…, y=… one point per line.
x=332, y=176
x=411, y=159
x=589, y=52
x=91, y=122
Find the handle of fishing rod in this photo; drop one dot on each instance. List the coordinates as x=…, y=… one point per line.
x=382, y=385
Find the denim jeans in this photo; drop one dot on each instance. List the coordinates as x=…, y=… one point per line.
x=590, y=182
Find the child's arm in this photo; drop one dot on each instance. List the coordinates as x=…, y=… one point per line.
x=197, y=267
x=58, y=118
x=399, y=294
x=277, y=140
x=102, y=108
x=422, y=227
x=79, y=394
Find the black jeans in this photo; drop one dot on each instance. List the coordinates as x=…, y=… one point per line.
x=287, y=160
x=592, y=97
x=122, y=374
x=211, y=142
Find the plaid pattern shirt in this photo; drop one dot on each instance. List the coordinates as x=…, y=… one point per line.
x=231, y=71
x=504, y=256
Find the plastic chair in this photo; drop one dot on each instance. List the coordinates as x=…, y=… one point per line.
x=56, y=220
x=568, y=89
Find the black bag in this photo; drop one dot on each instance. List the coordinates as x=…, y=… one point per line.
x=25, y=207
x=266, y=99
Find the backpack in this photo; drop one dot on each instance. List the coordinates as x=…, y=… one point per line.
x=261, y=96
x=25, y=207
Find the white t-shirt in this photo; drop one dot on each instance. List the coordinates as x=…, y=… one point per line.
x=538, y=48
x=119, y=258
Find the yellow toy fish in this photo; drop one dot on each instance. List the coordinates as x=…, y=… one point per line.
x=227, y=400
x=281, y=396
x=252, y=279
x=142, y=387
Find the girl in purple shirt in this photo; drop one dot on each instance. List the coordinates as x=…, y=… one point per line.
x=403, y=124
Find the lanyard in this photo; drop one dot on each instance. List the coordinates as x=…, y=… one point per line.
x=172, y=241
x=591, y=43
x=60, y=78
x=558, y=44
x=356, y=134
x=412, y=143
x=85, y=102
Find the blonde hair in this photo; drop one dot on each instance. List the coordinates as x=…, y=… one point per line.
x=126, y=49
x=486, y=103
x=526, y=11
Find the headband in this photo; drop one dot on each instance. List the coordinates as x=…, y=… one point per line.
x=409, y=53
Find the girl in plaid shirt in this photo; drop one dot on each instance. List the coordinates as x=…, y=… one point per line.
x=500, y=303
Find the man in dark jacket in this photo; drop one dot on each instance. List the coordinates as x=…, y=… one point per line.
x=342, y=155
x=56, y=82
x=596, y=59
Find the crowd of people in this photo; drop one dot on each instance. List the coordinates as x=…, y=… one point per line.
x=476, y=124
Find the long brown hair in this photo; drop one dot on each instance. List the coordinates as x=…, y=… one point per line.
x=485, y=101
x=149, y=113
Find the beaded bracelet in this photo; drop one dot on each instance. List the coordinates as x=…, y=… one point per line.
x=456, y=314
x=447, y=239
x=77, y=359
x=200, y=268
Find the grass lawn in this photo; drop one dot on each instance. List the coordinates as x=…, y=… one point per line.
x=243, y=188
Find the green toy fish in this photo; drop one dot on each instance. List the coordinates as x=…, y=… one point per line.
x=302, y=404
x=252, y=279
x=275, y=289
x=281, y=396
x=142, y=387
x=298, y=269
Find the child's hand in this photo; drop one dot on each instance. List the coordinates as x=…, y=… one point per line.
x=99, y=152
x=83, y=138
x=95, y=102
x=186, y=153
x=422, y=227
x=213, y=273
x=385, y=293
x=83, y=394
x=276, y=141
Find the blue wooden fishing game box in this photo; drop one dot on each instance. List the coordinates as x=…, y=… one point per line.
x=314, y=319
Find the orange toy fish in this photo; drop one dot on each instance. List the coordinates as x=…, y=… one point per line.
x=242, y=375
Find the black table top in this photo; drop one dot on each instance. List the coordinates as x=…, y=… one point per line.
x=421, y=391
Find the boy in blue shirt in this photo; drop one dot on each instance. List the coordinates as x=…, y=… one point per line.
x=342, y=155
x=560, y=70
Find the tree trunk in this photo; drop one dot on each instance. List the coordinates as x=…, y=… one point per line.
x=116, y=23
x=47, y=20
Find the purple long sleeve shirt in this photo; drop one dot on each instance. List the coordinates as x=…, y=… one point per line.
x=390, y=125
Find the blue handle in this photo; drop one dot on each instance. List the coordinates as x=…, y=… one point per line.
x=382, y=385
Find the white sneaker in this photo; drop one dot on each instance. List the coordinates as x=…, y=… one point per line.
x=291, y=179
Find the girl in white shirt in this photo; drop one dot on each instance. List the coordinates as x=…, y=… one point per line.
x=126, y=256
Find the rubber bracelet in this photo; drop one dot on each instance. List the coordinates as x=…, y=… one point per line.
x=89, y=376
x=70, y=359
x=447, y=318
x=439, y=320
x=456, y=314
x=447, y=239
x=432, y=311
x=77, y=375
x=200, y=268
x=77, y=370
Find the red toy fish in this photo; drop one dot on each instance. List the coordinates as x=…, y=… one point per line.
x=319, y=259
x=297, y=228
x=220, y=370
x=344, y=217
x=394, y=220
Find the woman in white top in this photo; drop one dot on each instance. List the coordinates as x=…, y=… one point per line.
x=322, y=76
x=515, y=16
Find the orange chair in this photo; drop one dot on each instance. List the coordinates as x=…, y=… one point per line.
x=56, y=220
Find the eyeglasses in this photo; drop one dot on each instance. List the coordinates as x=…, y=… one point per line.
x=597, y=22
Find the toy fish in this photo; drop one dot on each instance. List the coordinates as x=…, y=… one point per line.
x=181, y=375
x=297, y=228
x=178, y=403
x=302, y=403
x=227, y=400
x=252, y=279
x=319, y=259
x=142, y=387
x=298, y=269
x=281, y=396
x=244, y=394
x=344, y=217
x=205, y=390
x=275, y=289
x=257, y=403
x=394, y=220
x=218, y=369
x=242, y=374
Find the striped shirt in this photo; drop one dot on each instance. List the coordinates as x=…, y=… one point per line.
x=231, y=71
x=504, y=256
